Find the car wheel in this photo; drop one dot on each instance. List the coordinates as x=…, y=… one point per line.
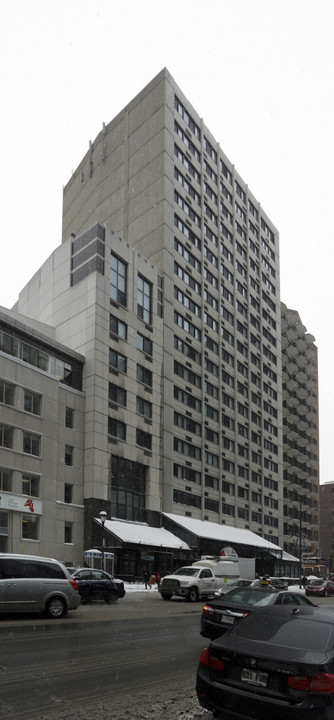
x=193, y=595
x=166, y=596
x=111, y=598
x=56, y=607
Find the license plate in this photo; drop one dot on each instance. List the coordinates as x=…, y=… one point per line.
x=229, y=619
x=254, y=677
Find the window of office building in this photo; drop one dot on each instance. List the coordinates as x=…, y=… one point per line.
x=144, y=407
x=118, y=280
x=187, y=398
x=68, y=533
x=6, y=393
x=187, y=349
x=187, y=449
x=188, y=424
x=117, y=361
x=117, y=395
x=243, y=513
x=144, y=300
x=117, y=327
x=69, y=452
x=145, y=344
x=31, y=443
x=30, y=527
x=211, y=481
x=211, y=505
x=186, y=473
x=30, y=485
x=227, y=509
x=186, y=498
x=144, y=375
x=211, y=412
x=127, y=489
x=144, y=439
x=116, y=428
x=32, y=402
x=68, y=493
x=69, y=417
x=211, y=436
x=6, y=479
x=6, y=436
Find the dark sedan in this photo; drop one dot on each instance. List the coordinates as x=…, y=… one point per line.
x=324, y=588
x=219, y=615
x=277, y=663
x=98, y=585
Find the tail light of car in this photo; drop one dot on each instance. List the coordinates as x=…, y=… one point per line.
x=210, y=661
x=207, y=610
x=74, y=584
x=319, y=683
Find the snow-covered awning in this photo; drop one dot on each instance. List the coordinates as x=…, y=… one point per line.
x=143, y=534
x=226, y=534
x=289, y=558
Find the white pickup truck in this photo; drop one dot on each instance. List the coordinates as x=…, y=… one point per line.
x=199, y=580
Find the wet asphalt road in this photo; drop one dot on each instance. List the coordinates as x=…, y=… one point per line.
x=96, y=652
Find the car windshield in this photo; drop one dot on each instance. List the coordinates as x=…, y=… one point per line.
x=317, y=582
x=192, y=572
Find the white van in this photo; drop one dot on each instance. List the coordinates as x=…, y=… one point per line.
x=29, y=583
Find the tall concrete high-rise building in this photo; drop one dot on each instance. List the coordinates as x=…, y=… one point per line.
x=157, y=178
x=300, y=437
x=194, y=401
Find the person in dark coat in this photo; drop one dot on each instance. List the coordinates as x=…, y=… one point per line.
x=147, y=579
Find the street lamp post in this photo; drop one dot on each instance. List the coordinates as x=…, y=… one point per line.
x=103, y=517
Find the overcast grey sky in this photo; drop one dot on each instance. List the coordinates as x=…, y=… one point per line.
x=259, y=72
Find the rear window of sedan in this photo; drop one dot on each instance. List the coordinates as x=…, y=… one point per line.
x=295, y=632
x=250, y=596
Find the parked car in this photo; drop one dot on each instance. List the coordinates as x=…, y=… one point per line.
x=240, y=582
x=278, y=662
x=219, y=615
x=279, y=583
x=98, y=585
x=29, y=583
x=320, y=587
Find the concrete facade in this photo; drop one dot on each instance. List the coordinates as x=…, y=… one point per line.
x=167, y=283
x=158, y=177
x=300, y=436
x=41, y=444
x=326, y=499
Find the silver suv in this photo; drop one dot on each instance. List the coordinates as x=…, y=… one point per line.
x=29, y=583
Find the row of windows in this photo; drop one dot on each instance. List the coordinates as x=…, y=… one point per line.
x=212, y=153
x=117, y=429
x=189, y=450
x=66, y=371
x=30, y=528
x=31, y=443
x=30, y=485
x=189, y=499
x=32, y=401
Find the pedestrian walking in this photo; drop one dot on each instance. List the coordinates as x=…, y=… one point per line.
x=147, y=579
